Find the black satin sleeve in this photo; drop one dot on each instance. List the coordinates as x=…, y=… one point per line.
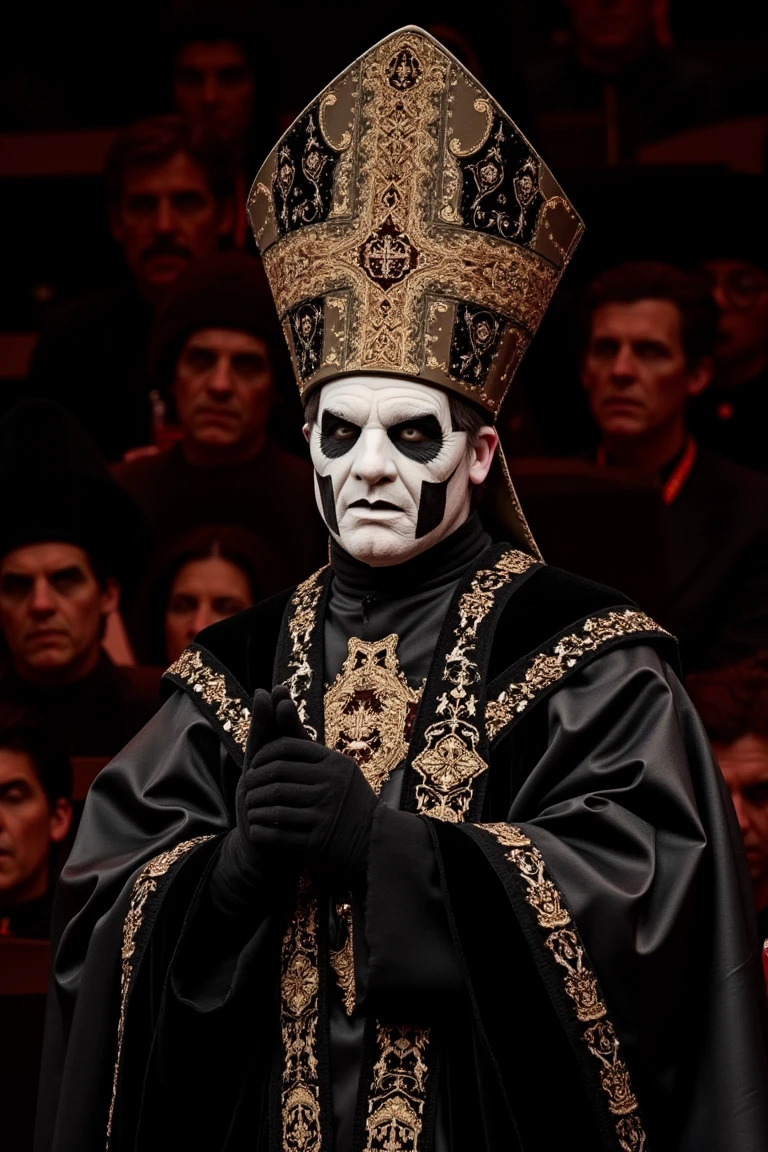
x=171, y=784
x=625, y=811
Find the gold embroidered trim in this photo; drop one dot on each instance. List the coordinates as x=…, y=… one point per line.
x=367, y=709
x=343, y=960
x=579, y=980
x=547, y=668
x=301, y=626
x=398, y=1091
x=235, y=718
x=450, y=761
x=299, y=988
x=144, y=886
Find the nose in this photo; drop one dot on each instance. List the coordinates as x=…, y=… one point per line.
x=373, y=459
x=220, y=378
x=719, y=296
x=42, y=602
x=203, y=616
x=165, y=216
x=741, y=814
x=623, y=369
x=210, y=90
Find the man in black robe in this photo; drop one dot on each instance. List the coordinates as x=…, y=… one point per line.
x=429, y=852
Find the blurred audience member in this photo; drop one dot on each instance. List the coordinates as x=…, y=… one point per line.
x=214, y=88
x=217, y=349
x=66, y=539
x=733, y=704
x=206, y=576
x=169, y=200
x=615, y=85
x=732, y=415
x=35, y=817
x=649, y=333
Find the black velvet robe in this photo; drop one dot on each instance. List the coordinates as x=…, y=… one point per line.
x=606, y=775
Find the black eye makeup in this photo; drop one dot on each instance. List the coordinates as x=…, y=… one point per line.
x=420, y=438
x=337, y=435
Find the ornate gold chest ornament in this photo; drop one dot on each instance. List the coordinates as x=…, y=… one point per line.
x=368, y=709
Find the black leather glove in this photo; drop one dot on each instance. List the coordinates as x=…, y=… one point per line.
x=239, y=876
x=306, y=804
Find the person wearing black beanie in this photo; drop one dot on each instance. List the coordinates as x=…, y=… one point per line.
x=219, y=361
x=70, y=541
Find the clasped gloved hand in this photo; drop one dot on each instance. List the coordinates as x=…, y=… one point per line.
x=305, y=804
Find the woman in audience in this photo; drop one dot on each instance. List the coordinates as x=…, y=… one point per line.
x=208, y=575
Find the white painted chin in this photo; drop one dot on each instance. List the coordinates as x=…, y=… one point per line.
x=383, y=544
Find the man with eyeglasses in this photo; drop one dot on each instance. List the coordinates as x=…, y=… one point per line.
x=731, y=416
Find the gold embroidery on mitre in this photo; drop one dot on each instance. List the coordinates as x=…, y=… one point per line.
x=402, y=184
x=144, y=887
x=367, y=708
x=450, y=762
x=580, y=980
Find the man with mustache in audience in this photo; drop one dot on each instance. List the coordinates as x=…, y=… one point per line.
x=169, y=201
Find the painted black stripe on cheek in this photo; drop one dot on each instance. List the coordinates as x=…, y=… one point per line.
x=325, y=483
x=431, y=506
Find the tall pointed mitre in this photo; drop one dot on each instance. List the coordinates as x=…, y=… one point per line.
x=408, y=228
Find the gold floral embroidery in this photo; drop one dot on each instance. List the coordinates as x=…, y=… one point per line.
x=301, y=626
x=211, y=686
x=144, y=886
x=398, y=1090
x=546, y=668
x=580, y=981
x=299, y=987
x=450, y=761
x=367, y=709
x=343, y=959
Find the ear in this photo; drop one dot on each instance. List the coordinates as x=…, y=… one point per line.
x=226, y=216
x=61, y=820
x=482, y=453
x=110, y=596
x=700, y=377
x=307, y=432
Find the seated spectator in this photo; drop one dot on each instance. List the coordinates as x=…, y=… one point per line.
x=214, y=88
x=66, y=539
x=617, y=83
x=648, y=336
x=169, y=201
x=35, y=818
x=217, y=349
x=205, y=577
x=732, y=414
x=733, y=705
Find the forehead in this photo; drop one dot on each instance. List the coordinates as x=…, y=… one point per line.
x=640, y=319
x=226, y=340
x=745, y=761
x=34, y=559
x=179, y=173
x=370, y=398
x=212, y=573
x=211, y=54
x=15, y=764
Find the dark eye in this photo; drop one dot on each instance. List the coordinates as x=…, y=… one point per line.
x=200, y=359
x=15, y=586
x=757, y=794
x=67, y=579
x=420, y=439
x=249, y=364
x=337, y=435
x=188, y=203
x=182, y=604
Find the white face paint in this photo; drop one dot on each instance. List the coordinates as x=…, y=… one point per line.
x=391, y=475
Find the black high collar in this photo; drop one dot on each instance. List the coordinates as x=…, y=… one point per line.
x=443, y=564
